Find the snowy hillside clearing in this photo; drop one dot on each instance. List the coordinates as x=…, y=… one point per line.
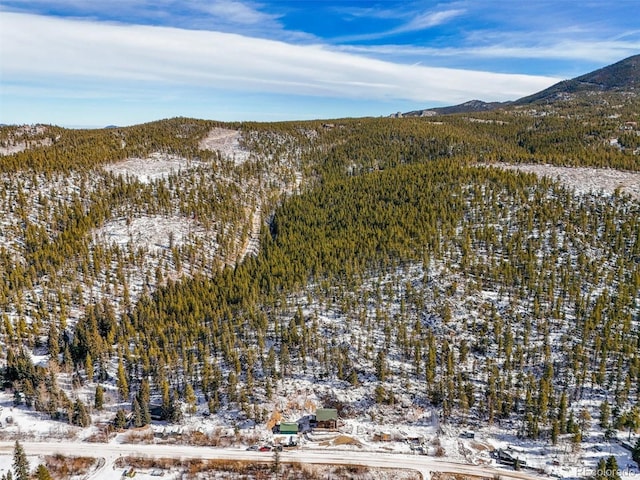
x=23, y=139
x=156, y=166
x=227, y=142
x=153, y=233
x=585, y=180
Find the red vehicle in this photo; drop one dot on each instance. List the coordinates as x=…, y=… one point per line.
x=264, y=448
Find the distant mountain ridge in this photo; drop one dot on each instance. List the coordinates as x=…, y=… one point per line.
x=622, y=76
x=470, y=106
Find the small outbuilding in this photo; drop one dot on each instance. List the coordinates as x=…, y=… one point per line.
x=289, y=428
x=382, y=437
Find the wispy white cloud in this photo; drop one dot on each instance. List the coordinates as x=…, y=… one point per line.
x=598, y=51
x=413, y=22
x=108, y=54
x=241, y=13
x=428, y=20
x=369, y=12
x=560, y=36
x=232, y=16
x=237, y=11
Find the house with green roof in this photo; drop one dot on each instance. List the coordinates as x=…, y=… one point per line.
x=327, y=418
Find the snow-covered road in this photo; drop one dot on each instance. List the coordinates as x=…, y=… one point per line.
x=110, y=452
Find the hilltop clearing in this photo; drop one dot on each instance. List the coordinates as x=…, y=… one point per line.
x=227, y=142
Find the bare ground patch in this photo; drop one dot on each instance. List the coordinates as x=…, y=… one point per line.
x=341, y=440
x=232, y=469
x=63, y=467
x=455, y=476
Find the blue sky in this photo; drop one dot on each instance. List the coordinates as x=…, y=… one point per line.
x=94, y=63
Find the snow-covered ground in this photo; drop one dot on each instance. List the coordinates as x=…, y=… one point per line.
x=227, y=142
x=156, y=166
x=22, y=138
x=410, y=424
x=585, y=180
x=153, y=233
x=352, y=441
x=20, y=146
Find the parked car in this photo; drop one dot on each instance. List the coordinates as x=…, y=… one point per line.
x=253, y=447
x=277, y=448
x=264, y=448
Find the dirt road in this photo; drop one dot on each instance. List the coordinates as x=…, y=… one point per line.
x=110, y=452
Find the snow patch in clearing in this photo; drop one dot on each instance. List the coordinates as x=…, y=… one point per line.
x=153, y=232
x=586, y=180
x=227, y=142
x=23, y=138
x=155, y=167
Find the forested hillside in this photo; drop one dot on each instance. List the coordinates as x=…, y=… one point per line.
x=392, y=266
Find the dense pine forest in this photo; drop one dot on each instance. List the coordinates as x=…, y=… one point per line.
x=391, y=260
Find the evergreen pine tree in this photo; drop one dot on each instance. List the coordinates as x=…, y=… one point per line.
x=166, y=400
x=613, y=472
x=562, y=414
x=555, y=432
x=146, y=414
x=80, y=416
x=635, y=454
x=143, y=397
x=42, y=473
x=175, y=415
x=137, y=413
x=123, y=384
x=20, y=462
x=98, y=401
x=120, y=421
x=88, y=367
x=601, y=470
x=605, y=414
x=190, y=398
